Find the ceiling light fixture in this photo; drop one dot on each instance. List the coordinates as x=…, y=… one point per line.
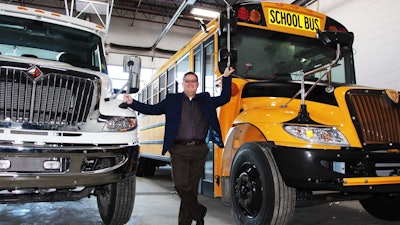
x=204, y=13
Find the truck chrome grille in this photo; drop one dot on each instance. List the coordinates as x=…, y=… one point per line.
x=48, y=99
x=375, y=116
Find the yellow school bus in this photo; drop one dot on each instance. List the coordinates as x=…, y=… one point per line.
x=298, y=130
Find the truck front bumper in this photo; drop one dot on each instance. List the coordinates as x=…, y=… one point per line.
x=65, y=167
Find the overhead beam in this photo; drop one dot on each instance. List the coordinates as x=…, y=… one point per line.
x=303, y=3
x=172, y=21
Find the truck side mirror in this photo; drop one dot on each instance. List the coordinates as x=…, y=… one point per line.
x=132, y=65
x=226, y=57
x=332, y=38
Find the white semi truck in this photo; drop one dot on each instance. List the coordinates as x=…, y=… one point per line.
x=63, y=134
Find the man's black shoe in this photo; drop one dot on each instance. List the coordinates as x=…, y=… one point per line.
x=201, y=220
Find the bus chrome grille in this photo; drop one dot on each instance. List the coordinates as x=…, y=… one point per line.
x=48, y=99
x=375, y=116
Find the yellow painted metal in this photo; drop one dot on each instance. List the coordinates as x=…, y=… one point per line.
x=293, y=19
x=268, y=115
x=151, y=134
x=371, y=181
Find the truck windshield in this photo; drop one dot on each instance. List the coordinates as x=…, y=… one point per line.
x=37, y=39
x=268, y=55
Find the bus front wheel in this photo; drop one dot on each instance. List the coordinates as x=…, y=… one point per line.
x=259, y=195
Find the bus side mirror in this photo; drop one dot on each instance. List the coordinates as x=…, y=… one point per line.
x=224, y=56
x=332, y=38
x=224, y=21
x=132, y=65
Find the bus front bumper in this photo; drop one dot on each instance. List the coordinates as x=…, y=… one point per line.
x=339, y=170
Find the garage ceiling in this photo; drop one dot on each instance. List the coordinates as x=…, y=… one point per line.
x=147, y=10
x=164, y=13
x=167, y=8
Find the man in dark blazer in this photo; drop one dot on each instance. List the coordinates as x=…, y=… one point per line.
x=189, y=118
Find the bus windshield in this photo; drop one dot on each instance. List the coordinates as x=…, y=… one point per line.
x=37, y=39
x=268, y=55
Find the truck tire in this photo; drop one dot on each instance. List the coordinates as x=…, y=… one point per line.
x=384, y=207
x=115, y=201
x=259, y=196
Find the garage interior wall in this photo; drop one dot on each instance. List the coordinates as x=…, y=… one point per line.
x=376, y=27
x=143, y=35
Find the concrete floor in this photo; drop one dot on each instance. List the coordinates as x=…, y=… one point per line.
x=157, y=204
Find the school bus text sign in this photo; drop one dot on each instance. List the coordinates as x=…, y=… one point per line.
x=293, y=22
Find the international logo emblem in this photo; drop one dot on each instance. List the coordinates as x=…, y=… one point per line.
x=393, y=95
x=34, y=71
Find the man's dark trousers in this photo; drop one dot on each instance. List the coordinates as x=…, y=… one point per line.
x=187, y=170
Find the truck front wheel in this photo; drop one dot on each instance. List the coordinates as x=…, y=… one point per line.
x=384, y=206
x=259, y=196
x=115, y=201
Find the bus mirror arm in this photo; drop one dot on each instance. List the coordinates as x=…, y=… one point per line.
x=341, y=40
x=233, y=75
x=303, y=116
x=226, y=58
x=227, y=25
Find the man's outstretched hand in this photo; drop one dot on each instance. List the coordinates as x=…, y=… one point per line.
x=127, y=99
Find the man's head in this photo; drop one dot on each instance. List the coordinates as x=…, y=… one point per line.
x=190, y=84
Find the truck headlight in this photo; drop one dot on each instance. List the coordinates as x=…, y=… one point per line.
x=317, y=134
x=121, y=123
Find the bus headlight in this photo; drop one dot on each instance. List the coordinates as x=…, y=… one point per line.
x=317, y=134
x=121, y=123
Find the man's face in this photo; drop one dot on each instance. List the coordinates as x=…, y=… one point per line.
x=190, y=85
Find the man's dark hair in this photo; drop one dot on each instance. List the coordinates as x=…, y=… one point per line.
x=190, y=73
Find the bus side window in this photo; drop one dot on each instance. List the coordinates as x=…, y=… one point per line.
x=163, y=90
x=171, y=80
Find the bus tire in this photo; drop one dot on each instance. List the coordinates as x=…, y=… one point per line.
x=384, y=206
x=259, y=196
x=115, y=201
x=146, y=168
x=141, y=167
x=150, y=167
